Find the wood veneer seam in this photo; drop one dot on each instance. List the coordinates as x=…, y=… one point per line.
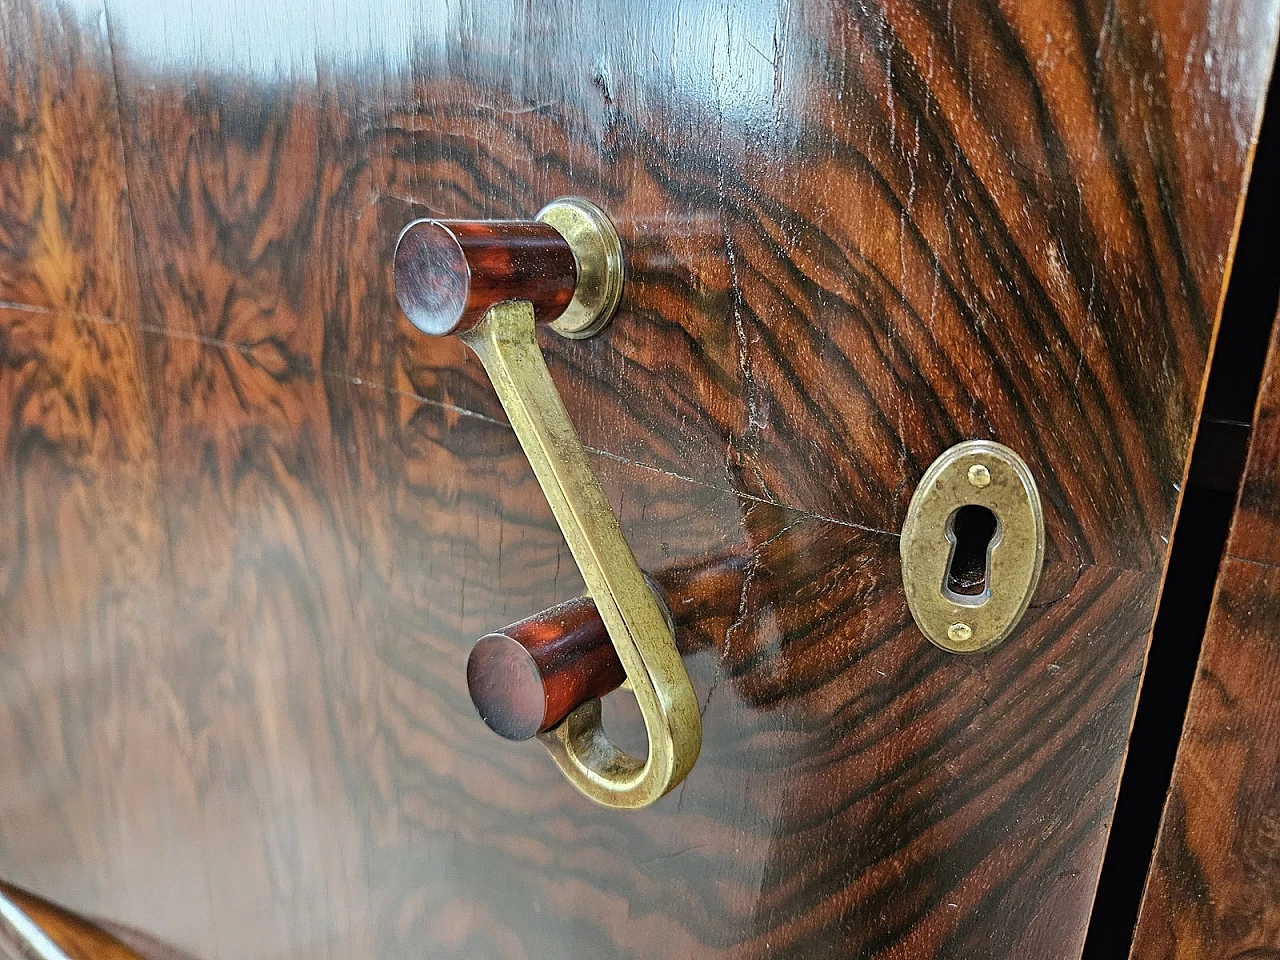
x=57, y=312
x=1265, y=564
x=464, y=411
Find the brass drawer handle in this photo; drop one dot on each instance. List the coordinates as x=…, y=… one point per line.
x=489, y=282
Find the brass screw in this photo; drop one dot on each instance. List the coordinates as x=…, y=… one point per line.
x=960, y=632
x=979, y=475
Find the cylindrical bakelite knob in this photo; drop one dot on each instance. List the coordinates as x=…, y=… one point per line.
x=526, y=678
x=567, y=262
x=448, y=273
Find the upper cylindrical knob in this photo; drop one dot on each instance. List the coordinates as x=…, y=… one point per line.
x=567, y=262
x=448, y=273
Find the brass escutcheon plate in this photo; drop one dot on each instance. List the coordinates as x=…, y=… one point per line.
x=597, y=251
x=986, y=474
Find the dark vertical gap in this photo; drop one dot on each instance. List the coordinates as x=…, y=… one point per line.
x=1217, y=463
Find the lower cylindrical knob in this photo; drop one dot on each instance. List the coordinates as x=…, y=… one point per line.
x=527, y=677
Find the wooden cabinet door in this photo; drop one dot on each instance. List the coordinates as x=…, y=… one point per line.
x=1212, y=887
x=251, y=521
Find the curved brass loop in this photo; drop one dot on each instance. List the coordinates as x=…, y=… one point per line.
x=641, y=634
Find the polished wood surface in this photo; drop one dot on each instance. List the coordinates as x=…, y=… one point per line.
x=75, y=937
x=1212, y=891
x=252, y=520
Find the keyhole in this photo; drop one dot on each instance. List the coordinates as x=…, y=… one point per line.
x=972, y=531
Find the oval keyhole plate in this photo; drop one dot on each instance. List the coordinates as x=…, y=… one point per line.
x=972, y=546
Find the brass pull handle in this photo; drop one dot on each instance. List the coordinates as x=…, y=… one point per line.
x=490, y=282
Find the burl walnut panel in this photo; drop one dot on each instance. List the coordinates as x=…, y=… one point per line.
x=232, y=673
x=65, y=238
x=1214, y=887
